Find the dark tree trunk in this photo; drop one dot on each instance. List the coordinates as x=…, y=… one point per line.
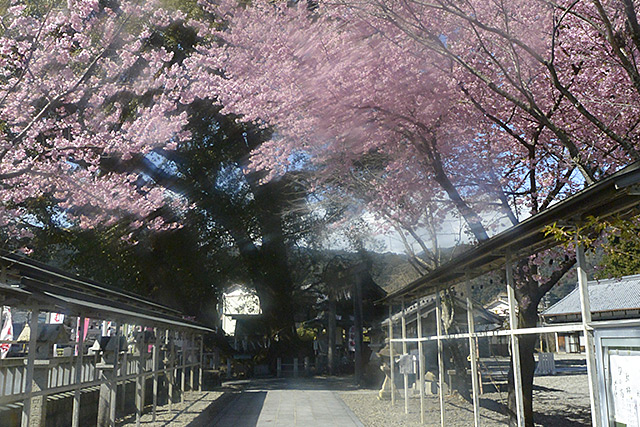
x=460, y=381
x=527, y=319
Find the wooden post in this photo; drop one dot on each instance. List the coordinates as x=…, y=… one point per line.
x=477, y=347
x=172, y=369
x=75, y=416
x=441, y=371
x=404, y=352
x=201, y=368
x=589, y=346
x=391, y=356
x=154, y=363
x=192, y=360
x=278, y=367
x=31, y=359
x=515, y=346
x=183, y=359
x=420, y=359
x=113, y=380
x=140, y=377
x=124, y=368
x=473, y=354
x=331, y=332
x=145, y=356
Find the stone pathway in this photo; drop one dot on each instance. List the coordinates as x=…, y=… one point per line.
x=288, y=403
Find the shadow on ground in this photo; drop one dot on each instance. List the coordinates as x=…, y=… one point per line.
x=570, y=416
x=311, y=383
x=215, y=414
x=194, y=412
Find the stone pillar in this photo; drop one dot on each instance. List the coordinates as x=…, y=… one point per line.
x=105, y=397
x=39, y=403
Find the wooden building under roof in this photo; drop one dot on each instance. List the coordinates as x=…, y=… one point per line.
x=611, y=299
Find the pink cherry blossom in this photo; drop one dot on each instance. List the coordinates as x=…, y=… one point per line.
x=65, y=76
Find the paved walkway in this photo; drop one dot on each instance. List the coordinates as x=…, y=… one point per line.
x=288, y=403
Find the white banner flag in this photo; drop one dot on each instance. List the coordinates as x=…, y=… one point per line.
x=6, y=333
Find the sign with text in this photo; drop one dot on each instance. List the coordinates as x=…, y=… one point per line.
x=625, y=389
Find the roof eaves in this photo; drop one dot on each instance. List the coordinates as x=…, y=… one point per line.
x=604, y=198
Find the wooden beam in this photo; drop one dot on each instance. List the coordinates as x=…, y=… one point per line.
x=420, y=360
x=140, y=376
x=585, y=307
x=473, y=355
x=182, y=369
x=114, y=377
x=441, y=371
x=391, y=357
x=201, y=368
x=191, y=359
x=75, y=416
x=515, y=346
x=124, y=366
x=31, y=359
x=172, y=366
x=404, y=352
x=154, y=362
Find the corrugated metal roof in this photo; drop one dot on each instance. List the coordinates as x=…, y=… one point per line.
x=51, y=289
x=604, y=295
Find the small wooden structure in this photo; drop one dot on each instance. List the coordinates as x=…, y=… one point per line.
x=611, y=299
x=165, y=347
x=618, y=194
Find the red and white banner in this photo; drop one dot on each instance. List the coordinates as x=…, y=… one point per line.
x=6, y=334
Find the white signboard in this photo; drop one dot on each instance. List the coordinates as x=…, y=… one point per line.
x=56, y=318
x=625, y=389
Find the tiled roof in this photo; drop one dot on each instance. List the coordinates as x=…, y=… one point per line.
x=604, y=295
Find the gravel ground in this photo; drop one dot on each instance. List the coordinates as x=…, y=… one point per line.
x=559, y=401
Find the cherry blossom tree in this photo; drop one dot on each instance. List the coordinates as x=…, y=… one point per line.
x=364, y=96
x=82, y=91
x=421, y=107
x=559, y=79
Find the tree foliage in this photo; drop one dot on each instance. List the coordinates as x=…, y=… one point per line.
x=83, y=88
